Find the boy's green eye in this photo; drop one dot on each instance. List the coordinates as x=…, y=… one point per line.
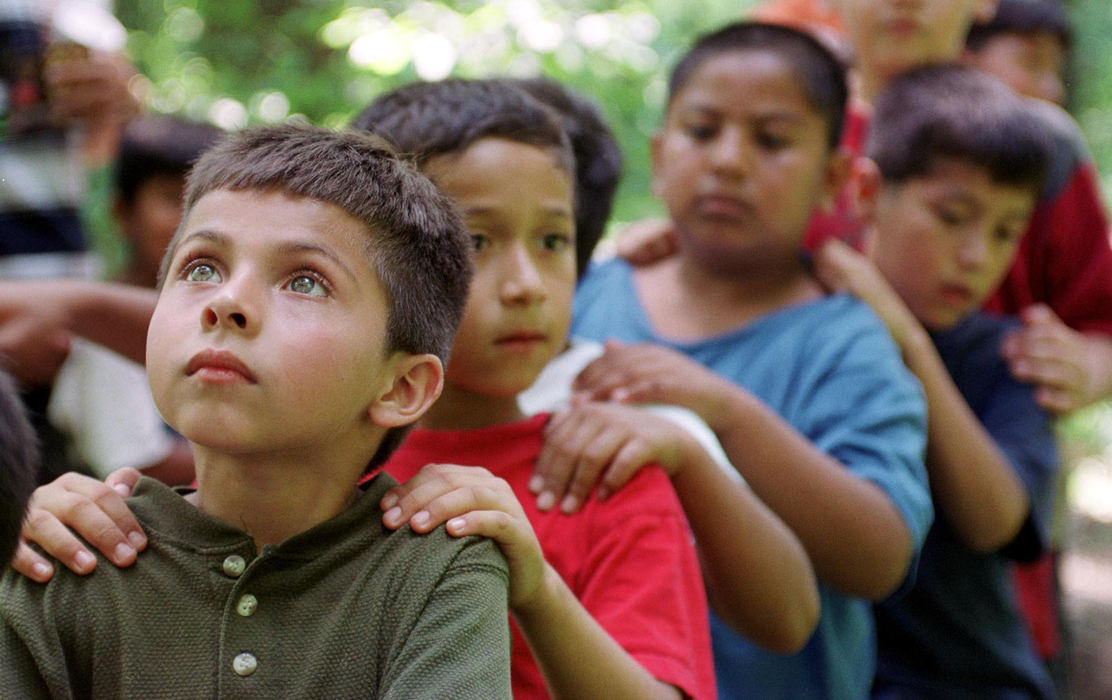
x=479, y=242
x=306, y=284
x=202, y=272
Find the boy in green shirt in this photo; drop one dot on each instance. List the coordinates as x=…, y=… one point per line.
x=306, y=303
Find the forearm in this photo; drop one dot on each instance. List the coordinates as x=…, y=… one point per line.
x=974, y=488
x=113, y=315
x=855, y=537
x=576, y=655
x=757, y=574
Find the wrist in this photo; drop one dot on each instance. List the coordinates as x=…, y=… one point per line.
x=536, y=606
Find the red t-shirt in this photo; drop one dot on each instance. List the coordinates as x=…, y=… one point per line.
x=630, y=560
x=1064, y=260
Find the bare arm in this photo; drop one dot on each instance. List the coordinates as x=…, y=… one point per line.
x=855, y=537
x=974, y=487
x=759, y=578
x=576, y=655
x=113, y=315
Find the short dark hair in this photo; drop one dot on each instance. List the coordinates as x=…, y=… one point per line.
x=159, y=145
x=821, y=75
x=19, y=463
x=598, y=161
x=1022, y=17
x=428, y=119
x=957, y=113
x=416, y=240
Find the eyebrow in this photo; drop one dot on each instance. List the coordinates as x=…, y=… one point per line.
x=560, y=211
x=702, y=109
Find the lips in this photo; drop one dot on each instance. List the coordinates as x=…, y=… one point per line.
x=957, y=294
x=219, y=366
x=902, y=27
x=521, y=337
x=722, y=206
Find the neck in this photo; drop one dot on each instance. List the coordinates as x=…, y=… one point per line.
x=763, y=289
x=697, y=303
x=273, y=497
x=462, y=409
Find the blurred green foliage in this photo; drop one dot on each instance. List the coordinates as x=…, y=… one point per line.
x=1091, y=84
x=237, y=62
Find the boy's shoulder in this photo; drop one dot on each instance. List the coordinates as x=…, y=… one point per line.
x=200, y=586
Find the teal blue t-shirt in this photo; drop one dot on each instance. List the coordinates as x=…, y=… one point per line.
x=831, y=370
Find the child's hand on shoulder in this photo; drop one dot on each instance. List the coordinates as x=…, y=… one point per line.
x=1071, y=369
x=647, y=373
x=646, y=242
x=608, y=440
x=840, y=268
x=471, y=501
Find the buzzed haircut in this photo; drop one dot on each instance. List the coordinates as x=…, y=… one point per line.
x=598, y=161
x=19, y=464
x=950, y=112
x=822, y=77
x=1023, y=17
x=428, y=119
x=159, y=145
x=416, y=241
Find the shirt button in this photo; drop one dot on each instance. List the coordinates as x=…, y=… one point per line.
x=234, y=565
x=245, y=664
x=247, y=605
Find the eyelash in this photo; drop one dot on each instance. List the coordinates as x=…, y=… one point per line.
x=193, y=263
x=313, y=275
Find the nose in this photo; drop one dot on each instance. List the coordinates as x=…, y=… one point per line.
x=520, y=279
x=972, y=251
x=730, y=154
x=232, y=307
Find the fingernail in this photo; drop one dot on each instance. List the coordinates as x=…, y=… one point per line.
x=536, y=484
x=122, y=553
x=602, y=493
x=546, y=500
x=122, y=489
x=389, y=501
x=569, y=504
x=393, y=516
x=40, y=571
x=420, y=519
x=137, y=540
x=84, y=560
x=455, y=524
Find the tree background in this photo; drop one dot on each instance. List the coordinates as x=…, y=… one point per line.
x=236, y=63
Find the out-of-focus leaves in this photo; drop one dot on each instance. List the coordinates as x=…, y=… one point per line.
x=236, y=61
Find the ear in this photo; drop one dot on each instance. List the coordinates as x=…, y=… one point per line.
x=866, y=189
x=418, y=381
x=836, y=177
x=656, y=143
x=121, y=215
x=985, y=10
